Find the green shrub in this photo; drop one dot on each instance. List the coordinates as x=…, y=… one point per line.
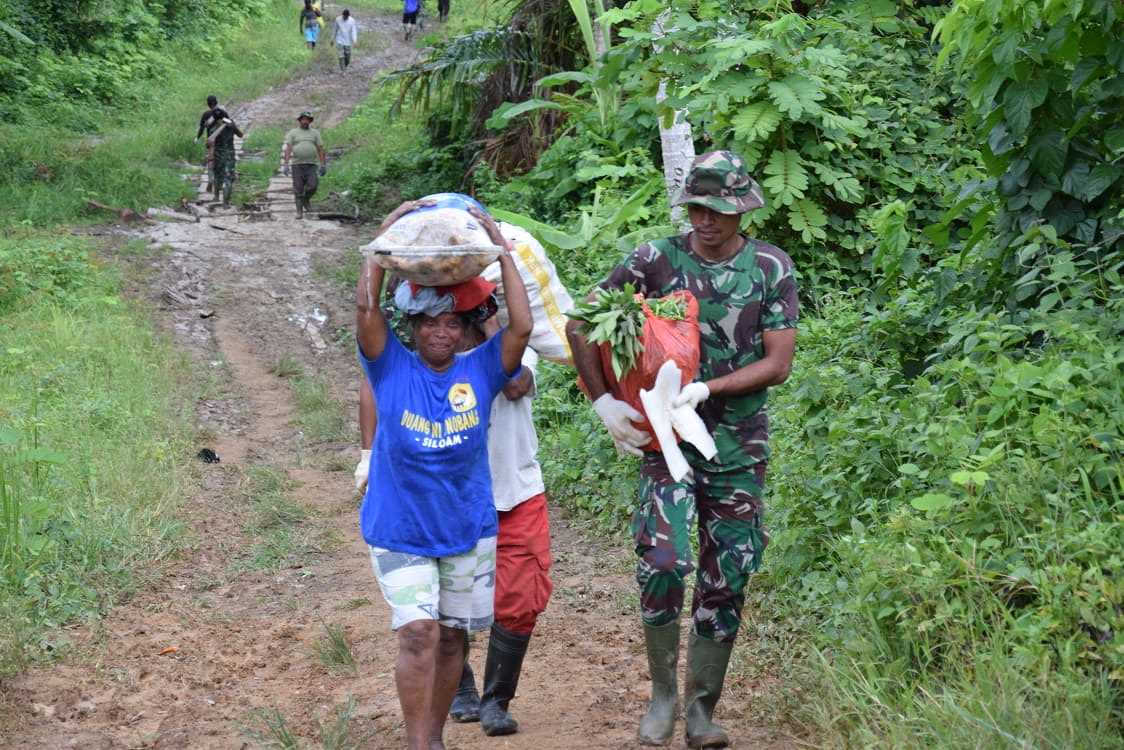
x=88, y=414
x=127, y=151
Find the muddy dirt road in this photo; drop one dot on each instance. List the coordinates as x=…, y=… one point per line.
x=226, y=638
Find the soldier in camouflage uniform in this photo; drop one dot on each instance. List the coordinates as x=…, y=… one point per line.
x=748, y=310
x=221, y=142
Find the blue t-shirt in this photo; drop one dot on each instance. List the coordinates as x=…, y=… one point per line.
x=430, y=492
x=410, y=6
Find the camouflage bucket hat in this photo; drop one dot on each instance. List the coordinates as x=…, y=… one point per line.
x=305, y=114
x=720, y=181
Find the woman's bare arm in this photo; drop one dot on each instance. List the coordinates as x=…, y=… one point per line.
x=370, y=324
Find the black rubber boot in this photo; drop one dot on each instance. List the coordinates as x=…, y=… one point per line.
x=706, y=671
x=501, y=676
x=658, y=724
x=466, y=702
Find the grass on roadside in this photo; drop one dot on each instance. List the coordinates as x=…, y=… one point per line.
x=275, y=523
x=261, y=158
x=89, y=416
x=319, y=414
x=268, y=727
x=342, y=270
x=333, y=650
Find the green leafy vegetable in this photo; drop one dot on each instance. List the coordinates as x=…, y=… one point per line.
x=616, y=317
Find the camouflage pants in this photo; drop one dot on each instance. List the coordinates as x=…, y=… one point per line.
x=223, y=175
x=728, y=508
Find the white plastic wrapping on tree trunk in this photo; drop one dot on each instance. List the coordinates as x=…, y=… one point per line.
x=550, y=301
x=676, y=142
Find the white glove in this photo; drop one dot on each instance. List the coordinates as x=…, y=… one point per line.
x=361, y=470
x=618, y=418
x=625, y=448
x=692, y=395
x=285, y=170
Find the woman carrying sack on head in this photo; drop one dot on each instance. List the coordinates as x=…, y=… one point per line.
x=430, y=519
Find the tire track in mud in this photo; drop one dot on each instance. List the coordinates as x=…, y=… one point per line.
x=237, y=292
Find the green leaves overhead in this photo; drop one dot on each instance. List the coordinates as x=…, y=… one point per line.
x=757, y=121
x=794, y=95
x=788, y=179
x=1044, y=85
x=828, y=109
x=508, y=111
x=1020, y=100
x=808, y=219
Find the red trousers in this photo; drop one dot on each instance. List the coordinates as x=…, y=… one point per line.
x=523, y=583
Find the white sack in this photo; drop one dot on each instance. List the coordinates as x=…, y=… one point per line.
x=549, y=299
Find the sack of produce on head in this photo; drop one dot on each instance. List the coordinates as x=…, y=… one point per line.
x=436, y=245
x=549, y=299
x=636, y=336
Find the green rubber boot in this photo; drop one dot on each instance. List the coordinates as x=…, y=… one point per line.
x=706, y=671
x=658, y=724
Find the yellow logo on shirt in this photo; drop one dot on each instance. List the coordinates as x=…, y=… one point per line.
x=461, y=397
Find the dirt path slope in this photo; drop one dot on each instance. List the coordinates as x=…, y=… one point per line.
x=238, y=293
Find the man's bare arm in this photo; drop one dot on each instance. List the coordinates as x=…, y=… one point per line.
x=587, y=360
x=519, y=386
x=773, y=369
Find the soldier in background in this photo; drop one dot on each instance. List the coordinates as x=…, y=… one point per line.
x=747, y=319
x=222, y=155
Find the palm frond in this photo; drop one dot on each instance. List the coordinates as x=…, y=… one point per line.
x=469, y=76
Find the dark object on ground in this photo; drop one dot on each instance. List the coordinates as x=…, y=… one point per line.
x=207, y=456
x=225, y=229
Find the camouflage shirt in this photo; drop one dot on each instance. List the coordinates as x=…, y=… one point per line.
x=739, y=299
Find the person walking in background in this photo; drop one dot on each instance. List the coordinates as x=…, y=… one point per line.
x=206, y=125
x=310, y=24
x=223, y=157
x=442, y=10
x=410, y=10
x=207, y=117
x=748, y=316
x=305, y=159
x=344, y=34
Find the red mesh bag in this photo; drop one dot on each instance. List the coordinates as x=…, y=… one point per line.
x=677, y=340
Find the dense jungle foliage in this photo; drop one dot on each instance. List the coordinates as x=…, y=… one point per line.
x=60, y=60
x=946, y=492
x=98, y=99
